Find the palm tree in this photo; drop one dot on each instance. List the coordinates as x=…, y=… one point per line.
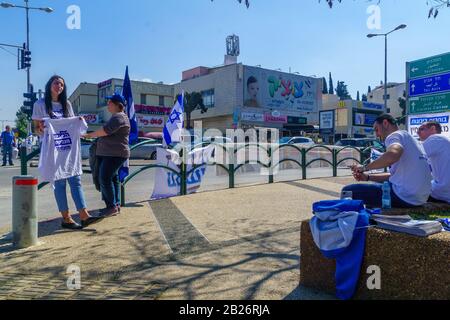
x=193, y=101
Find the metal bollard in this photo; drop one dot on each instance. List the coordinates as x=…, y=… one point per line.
x=24, y=212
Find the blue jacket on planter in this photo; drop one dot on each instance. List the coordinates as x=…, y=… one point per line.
x=339, y=230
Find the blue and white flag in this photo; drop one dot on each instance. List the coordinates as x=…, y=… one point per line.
x=128, y=96
x=375, y=155
x=339, y=230
x=175, y=123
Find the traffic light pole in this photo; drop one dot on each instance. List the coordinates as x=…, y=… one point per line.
x=27, y=9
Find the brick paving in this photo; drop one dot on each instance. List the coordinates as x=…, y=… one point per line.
x=19, y=286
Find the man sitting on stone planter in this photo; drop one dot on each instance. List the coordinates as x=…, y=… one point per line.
x=409, y=177
x=437, y=147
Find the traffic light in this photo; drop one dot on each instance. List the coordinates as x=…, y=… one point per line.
x=25, y=58
x=28, y=104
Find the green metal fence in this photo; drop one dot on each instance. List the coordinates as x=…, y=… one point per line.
x=231, y=168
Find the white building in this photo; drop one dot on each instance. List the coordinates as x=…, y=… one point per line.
x=394, y=92
x=353, y=119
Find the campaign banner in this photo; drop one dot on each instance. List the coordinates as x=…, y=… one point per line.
x=91, y=118
x=414, y=122
x=150, y=121
x=168, y=183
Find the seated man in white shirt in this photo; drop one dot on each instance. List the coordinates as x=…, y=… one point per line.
x=409, y=177
x=437, y=147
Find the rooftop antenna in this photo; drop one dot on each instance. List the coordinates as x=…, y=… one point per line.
x=233, y=50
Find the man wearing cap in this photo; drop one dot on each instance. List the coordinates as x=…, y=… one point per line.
x=7, y=141
x=437, y=147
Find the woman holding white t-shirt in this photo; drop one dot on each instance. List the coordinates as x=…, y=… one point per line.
x=56, y=106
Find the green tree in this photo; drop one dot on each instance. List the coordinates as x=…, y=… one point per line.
x=22, y=120
x=402, y=105
x=364, y=98
x=342, y=91
x=369, y=90
x=325, y=86
x=331, y=88
x=435, y=5
x=357, y=96
x=193, y=101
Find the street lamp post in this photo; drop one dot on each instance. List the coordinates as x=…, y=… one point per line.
x=27, y=8
x=371, y=35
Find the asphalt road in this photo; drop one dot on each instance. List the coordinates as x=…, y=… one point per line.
x=139, y=189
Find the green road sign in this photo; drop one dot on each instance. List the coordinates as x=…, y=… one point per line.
x=429, y=104
x=429, y=66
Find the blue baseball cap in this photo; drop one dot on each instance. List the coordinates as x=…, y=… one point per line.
x=117, y=98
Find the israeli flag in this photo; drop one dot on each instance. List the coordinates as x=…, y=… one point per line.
x=124, y=171
x=375, y=155
x=175, y=123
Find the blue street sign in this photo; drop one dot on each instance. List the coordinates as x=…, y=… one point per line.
x=430, y=85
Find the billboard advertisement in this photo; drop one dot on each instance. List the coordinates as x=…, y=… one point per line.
x=327, y=121
x=281, y=91
x=364, y=118
x=414, y=122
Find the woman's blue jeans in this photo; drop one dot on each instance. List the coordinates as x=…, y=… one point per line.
x=109, y=179
x=371, y=195
x=76, y=190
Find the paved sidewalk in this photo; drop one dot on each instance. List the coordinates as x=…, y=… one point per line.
x=232, y=244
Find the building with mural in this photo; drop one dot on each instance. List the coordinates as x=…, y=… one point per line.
x=241, y=96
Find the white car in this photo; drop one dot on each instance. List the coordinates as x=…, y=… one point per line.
x=303, y=141
x=146, y=152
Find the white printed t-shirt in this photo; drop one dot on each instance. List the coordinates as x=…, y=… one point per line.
x=40, y=111
x=61, y=149
x=437, y=148
x=411, y=175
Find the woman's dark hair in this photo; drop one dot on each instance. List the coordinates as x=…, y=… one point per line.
x=61, y=99
x=251, y=80
x=119, y=105
x=387, y=117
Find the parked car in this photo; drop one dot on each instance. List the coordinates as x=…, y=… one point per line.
x=218, y=140
x=307, y=142
x=146, y=152
x=360, y=143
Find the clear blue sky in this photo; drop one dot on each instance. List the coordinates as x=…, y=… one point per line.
x=160, y=39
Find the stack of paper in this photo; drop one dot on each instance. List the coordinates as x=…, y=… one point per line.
x=405, y=224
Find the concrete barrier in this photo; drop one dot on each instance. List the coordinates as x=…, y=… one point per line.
x=413, y=268
x=24, y=212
